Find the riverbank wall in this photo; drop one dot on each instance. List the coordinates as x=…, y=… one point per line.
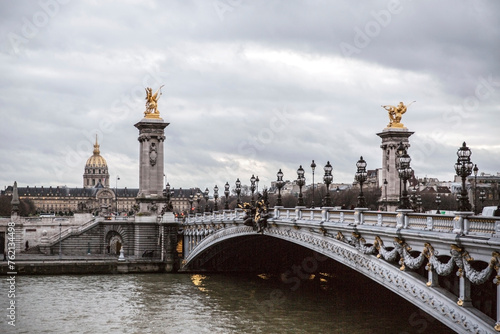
x=81, y=266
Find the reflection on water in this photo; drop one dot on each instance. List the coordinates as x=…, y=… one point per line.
x=210, y=303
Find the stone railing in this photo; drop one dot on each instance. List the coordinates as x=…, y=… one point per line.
x=69, y=231
x=462, y=223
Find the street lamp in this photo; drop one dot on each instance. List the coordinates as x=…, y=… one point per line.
x=238, y=190
x=257, y=184
x=361, y=178
x=301, y=180
x=313, y=167
x=60, y=250
x=463, y=168
x=207, y=208
x=166, y=194
x=482, y=197
x=191, y=198
x=279, y=185
x=438, y=201
x=328, y=178
x=385, y=190
x=216, y=195
x=252, y=188
x=475, y=169
x=419, y=203
x=405, y=173
x=116, y=194
x=198, y=199
x=226, y=193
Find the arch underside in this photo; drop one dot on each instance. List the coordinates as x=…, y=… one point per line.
x=436, y=301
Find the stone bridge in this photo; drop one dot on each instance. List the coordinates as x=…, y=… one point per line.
x=448, y=266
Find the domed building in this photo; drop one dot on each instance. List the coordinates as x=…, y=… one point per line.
x=96, y=170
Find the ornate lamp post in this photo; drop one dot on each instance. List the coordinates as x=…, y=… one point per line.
x=301, y=180
x=482, y=197
x=475, y=169
x=419, y=203
x=198, y=199
x=361, y=178
x=463, y=168
x=313, y=167
x=166, y=194
x=116, y=194
x=238, y=190
x=60, y=250
x=405, y=173
x=226, y=193
x=190, y=203
x=328, y=178
x=438, y=201
x=385, y=191
x=279, y=184
x=252, y=188
x=216, y=195
x=257, y=184
x=207, y=208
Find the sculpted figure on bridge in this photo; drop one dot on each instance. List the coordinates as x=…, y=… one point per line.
x=256, y=216
x=152, y=103
x=395, y=114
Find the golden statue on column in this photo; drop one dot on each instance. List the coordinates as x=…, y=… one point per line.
x=152, y=103
x=395, y=114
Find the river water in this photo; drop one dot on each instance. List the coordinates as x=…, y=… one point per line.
x=209, y=303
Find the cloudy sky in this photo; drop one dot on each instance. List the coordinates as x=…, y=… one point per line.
x=249, y=86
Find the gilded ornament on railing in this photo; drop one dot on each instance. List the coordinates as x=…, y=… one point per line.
x=256, y=215
x=395, y=114
x=152, y=103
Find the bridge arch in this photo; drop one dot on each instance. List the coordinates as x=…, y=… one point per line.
x=413, y=287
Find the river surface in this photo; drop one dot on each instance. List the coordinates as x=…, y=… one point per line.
x=210, y=303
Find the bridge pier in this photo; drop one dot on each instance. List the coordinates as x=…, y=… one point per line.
x=168, y=232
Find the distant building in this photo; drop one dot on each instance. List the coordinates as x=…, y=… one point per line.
x=94, y=197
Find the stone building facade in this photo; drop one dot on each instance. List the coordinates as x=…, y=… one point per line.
x=95, y=196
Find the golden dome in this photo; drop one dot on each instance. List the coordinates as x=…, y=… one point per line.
x=96, y=160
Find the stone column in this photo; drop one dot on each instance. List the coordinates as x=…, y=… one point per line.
x=391, y=137
x=151, y=164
